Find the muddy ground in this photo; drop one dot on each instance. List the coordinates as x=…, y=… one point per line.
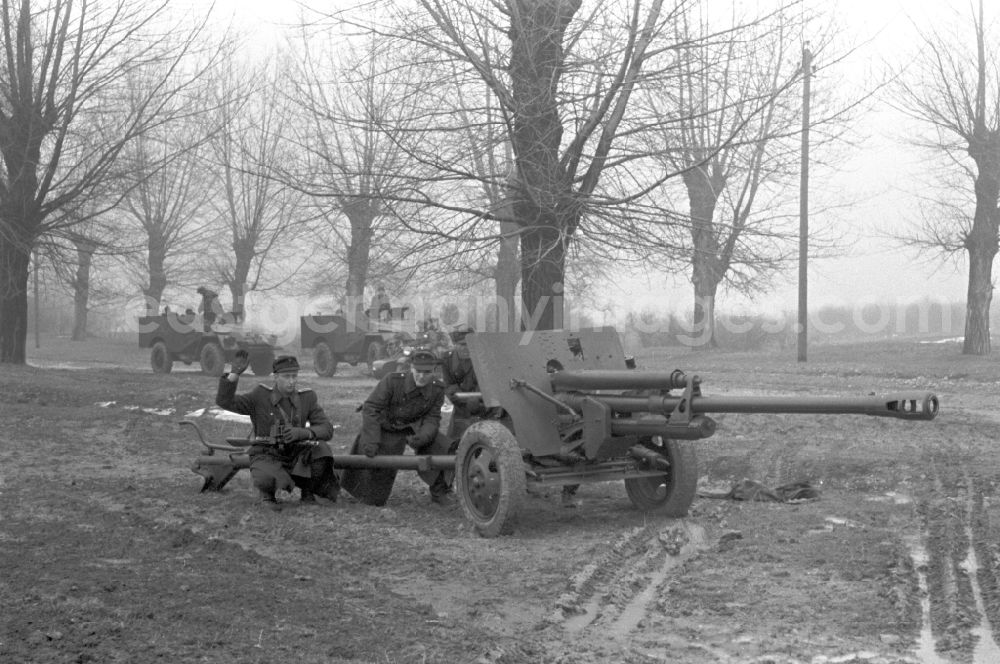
x=110, y=553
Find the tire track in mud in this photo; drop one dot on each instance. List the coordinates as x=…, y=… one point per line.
x=612, y=596
x=956, y=559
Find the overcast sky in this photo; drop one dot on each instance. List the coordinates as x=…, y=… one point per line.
x=878, y=180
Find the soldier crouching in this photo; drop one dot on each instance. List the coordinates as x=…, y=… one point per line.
x=290, y=429
x=403, y=409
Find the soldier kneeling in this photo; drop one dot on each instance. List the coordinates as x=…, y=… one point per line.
x=403, y=409
x=290, y=428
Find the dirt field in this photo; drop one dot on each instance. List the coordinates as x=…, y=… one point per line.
x=110, y=553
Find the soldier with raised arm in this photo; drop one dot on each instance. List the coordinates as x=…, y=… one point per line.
x=290, y=429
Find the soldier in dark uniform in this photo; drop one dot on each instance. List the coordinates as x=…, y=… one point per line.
x=210, y=308
x=381, y=306
x=458, y=375
x=403, y=409
x=289, y=453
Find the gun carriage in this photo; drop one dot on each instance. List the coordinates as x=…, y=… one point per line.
x=572, y=412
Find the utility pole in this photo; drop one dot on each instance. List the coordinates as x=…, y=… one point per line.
x=803, y=324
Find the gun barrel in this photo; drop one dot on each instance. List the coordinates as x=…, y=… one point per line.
x=604, y=379
x=901, y=405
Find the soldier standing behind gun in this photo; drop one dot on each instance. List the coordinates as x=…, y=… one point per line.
x=403, y=409
x=288, y=453
x=458, y=375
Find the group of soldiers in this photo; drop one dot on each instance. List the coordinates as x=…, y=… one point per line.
x=403, y=410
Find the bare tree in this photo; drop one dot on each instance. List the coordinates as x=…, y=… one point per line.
x=564, y=77
x=165, y=187
x=562, y=84
x=356, y=121
x=953, y=87
x=734, y=110
x=261, y=216
x=58, y=138
x=82, y=259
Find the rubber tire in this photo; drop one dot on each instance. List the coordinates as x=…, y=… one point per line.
x=324, y=361
x=159, y=358
x=672, y=493
x=376, y=351
x=261, y=363
x=212, y=359
x=490, y=478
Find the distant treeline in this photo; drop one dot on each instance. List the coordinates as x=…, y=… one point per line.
x=651, y=329
x=826, y=325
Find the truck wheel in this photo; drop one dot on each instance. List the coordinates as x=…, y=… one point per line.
x=324, y=361
x=212, y=359
x=261, y=363
x=670, y=494
x=489, y=477
x=159, y=358
x=376, y=351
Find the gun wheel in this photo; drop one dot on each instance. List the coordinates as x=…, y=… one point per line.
x=324, y=361
x=670, y=494
x=489, y=477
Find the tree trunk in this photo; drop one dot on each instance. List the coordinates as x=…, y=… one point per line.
x=977, y=307
x=543, y=260
x=544, y=204
x=238, y=289
x=506, y=276
x=81, y=288
x=704, y=315
x=156, y=256
x=706, y=274
x=238, y=283
x=361, y=217
x=982, y=242
x=15, y=260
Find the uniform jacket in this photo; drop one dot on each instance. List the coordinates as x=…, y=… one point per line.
x=459, y=376
x=397, y=403
x=263, y=402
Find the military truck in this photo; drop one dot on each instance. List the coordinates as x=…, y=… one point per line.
x=336, y=338
x=181, y=338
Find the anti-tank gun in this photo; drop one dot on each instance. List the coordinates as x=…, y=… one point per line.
x=572, y=412
x=576, y=414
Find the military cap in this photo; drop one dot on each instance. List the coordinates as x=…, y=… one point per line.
x=423, y=360
x=285, y=364
x=459, y=335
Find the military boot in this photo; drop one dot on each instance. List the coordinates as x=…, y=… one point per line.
x=324, y=479
x=441, y=493
x=307, y=497
x=269, y=501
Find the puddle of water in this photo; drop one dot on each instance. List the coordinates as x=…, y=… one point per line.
x=986, y=651
x=891, y=497
x=925, y=651
x=51, y=364
x=577, y=622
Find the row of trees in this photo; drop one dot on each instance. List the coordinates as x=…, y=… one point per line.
x=519, y=142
